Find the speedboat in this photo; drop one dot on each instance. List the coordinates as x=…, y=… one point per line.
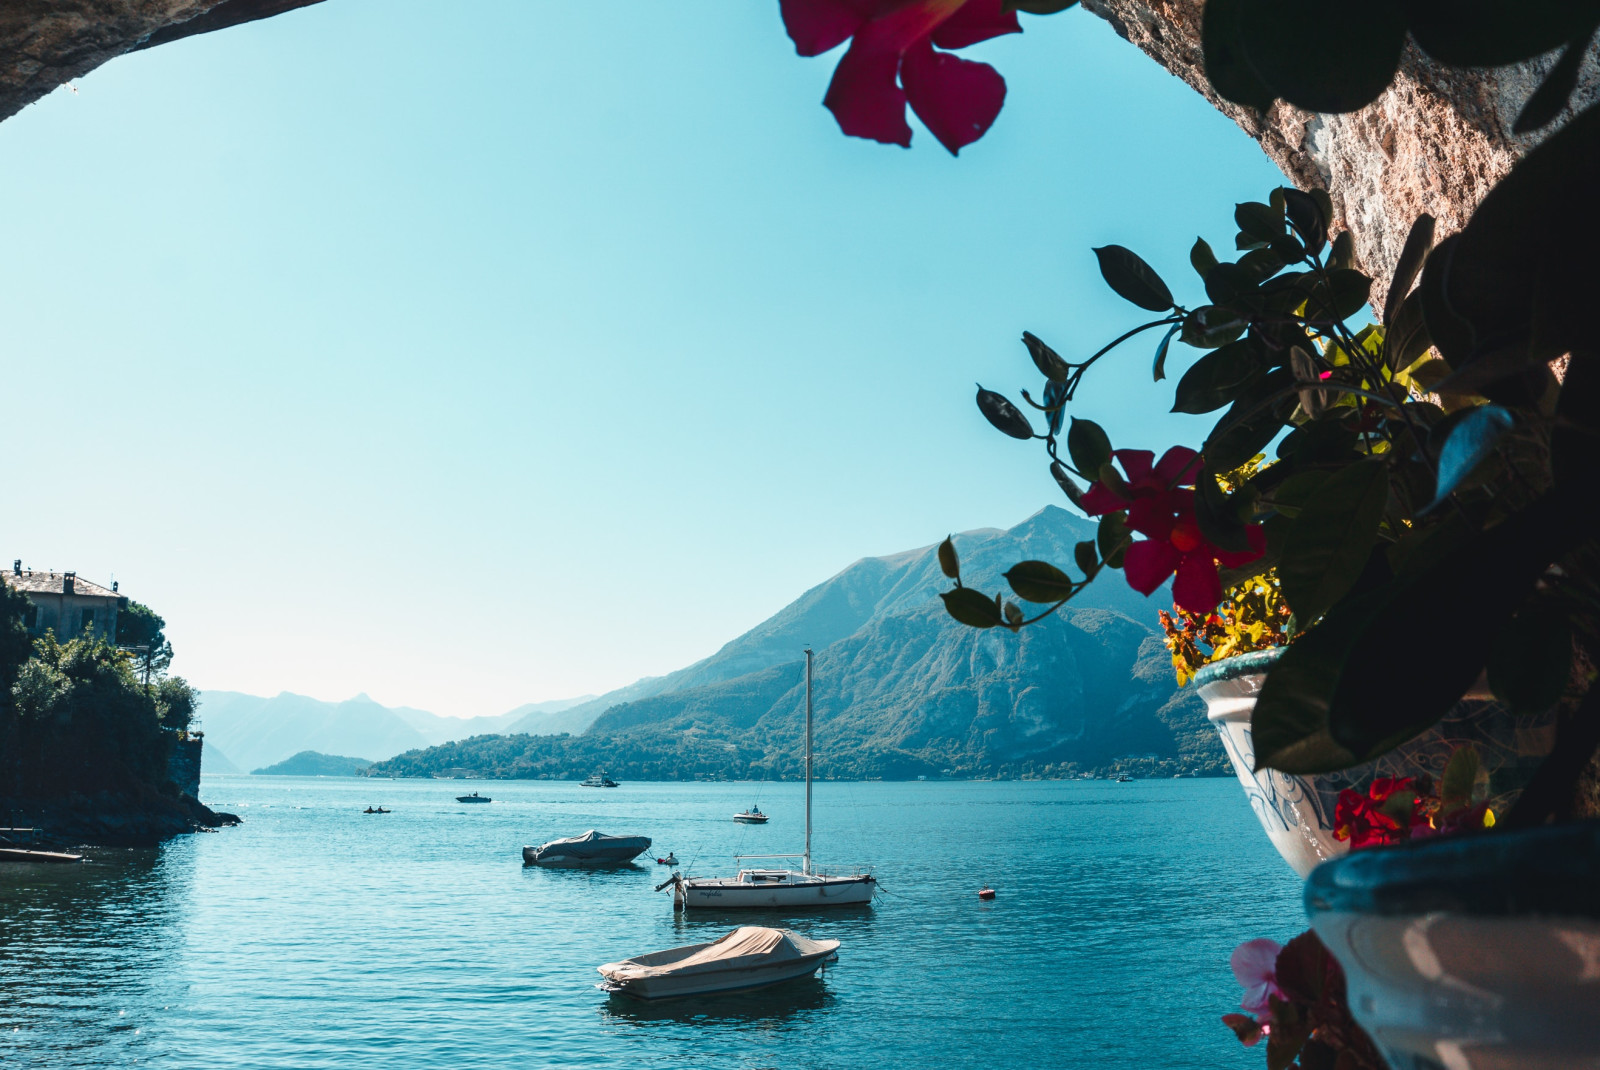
x=752, y=816
x=473, y=798
x=1124, y=778
x=600, y=780
x=751, y=956
x=593, y=848
x=670, y=860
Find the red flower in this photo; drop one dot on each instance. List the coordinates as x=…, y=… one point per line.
x=1160, y=508
x=1365, y=821
x=958, y=99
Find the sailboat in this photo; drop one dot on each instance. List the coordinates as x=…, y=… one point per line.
x=773, y=885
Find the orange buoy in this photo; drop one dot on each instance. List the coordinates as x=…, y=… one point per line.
x=986, y=892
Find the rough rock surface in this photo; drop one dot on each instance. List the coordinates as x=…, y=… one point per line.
x=46, y=43
x=1435, y=141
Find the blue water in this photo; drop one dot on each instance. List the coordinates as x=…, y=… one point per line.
x=316, y=936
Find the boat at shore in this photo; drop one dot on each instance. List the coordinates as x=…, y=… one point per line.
x=592, y=849
x=750, y=956
x=773, y=886
x=473, y=798
x=752, y=816
x=600, y=780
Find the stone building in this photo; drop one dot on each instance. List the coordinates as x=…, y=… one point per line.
x=66, y=603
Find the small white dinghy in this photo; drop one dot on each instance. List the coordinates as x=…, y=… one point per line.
x=752, y=956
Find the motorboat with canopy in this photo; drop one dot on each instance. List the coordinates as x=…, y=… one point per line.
x=593, y=848
x=751, y=956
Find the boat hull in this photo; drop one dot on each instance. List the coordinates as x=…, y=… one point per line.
x=723, y=981
x=749, y=820
x=616, y=851
x=829, y=892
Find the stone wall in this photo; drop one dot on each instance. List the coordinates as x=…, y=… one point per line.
x=184, y=768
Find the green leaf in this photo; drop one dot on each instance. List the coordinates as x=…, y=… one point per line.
x=1259, y=265
x=1160, y=369
x=1307, y=219
x=1314, y=398
x=1039, y=581
x=1250, y=424
x=971, y=608
x=1005, y=416
x=1202, y=258
x=1037, y=7
x=1211, y=326
x=1291, y=496
x=1531, y=662
x=1068, y=485
x=1219, y=377
x=1262, y=222
x=1406, y=336
x=1418, y=242
x=1133, y=279
x=1089, y=447
x=1321, y=56
x=1049, y=363
x=1217, y=515
x=949, y=563
x=1342, y=296
x=1227, y=68
x=1495, y=34
x=1342, y=254
x=1086, y=557
x=1332, y=538
x=1014, y=616
x=1112, y=538
x=1230, y=284
x=1471, y=438
x=1459, y=779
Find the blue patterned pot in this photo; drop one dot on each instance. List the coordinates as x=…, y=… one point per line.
x=1297, y=811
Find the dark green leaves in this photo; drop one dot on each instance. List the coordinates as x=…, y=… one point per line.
x=1320, y=55
x=1228, y=68
x=1418, y=242
x=1112, y=538
x=1470, y=438
x=1458, y=780
x=972, y=608
x=1087, y=559
x=1089, y=447
x=1160, y=368
x=1003, y=415
x=1068, y=485
x=1210, y=326
x=1049, y=363
x=1342, y=296
x=1133, y=279
x=1202, y=258
x=1217, y=515
x=1307, y=218
x=949, y=563
x=1039, y=581
x=1332, y=538
x=1531, y=662
x=1217, y=378
x=1489, y=33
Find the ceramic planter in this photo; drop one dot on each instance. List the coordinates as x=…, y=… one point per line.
x=1297, y=811
x=1471, y=953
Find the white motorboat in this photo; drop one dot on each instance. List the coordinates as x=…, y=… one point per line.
x=751, y=956
x=599, y=780
x=773, y=886
x=593, y=848
x=752, y=816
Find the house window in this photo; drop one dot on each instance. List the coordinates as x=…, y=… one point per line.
x=88, y=619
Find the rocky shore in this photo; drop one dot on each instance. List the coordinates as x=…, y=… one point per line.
x=111, y=819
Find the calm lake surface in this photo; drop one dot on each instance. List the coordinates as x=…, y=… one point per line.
x=316, y=936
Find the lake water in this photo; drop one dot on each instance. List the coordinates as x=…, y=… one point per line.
x=316, y=936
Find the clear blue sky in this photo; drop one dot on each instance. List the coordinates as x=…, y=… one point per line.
x=470, y=356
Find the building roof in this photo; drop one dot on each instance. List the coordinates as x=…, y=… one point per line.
x=31, y=582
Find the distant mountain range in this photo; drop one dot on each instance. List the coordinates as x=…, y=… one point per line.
x=249, y=732
x=902, y=690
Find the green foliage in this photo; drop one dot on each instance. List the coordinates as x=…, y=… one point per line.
x=140, y=626
x=16, y=645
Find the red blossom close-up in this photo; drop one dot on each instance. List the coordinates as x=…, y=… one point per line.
x=892, y=61
x=1159, y=498
x=1366, y=821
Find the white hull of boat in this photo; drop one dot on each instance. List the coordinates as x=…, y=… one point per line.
x=726, y=981
x=749, y=819
x=732, y=895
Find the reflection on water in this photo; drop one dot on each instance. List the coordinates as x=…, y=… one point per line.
x=313, y=936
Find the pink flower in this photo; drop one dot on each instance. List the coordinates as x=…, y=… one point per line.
x=891, y=62
x=1255, y=965
x=1159, y=508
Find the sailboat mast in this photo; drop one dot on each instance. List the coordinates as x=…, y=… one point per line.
x=807, y=868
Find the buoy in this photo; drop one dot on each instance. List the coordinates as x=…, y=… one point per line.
x=986, y=892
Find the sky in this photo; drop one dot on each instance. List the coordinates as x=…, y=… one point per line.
x=473, y=355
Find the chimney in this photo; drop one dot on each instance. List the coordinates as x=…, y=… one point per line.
x=16, y=567
x=68, y=579
x=113, y=586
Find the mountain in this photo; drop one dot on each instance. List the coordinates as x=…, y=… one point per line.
x=212, y=760
x=872, y=588
x=901, y=689
x=310, y=763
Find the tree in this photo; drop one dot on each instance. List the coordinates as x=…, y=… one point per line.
x=140, y=626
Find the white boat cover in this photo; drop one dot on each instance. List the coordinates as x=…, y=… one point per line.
x=747, y=947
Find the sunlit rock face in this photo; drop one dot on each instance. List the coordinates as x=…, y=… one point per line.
x=46, y=43
x=1435, y=141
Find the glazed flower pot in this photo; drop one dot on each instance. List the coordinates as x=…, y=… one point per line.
x=1297, y=811
x=1471, y=953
